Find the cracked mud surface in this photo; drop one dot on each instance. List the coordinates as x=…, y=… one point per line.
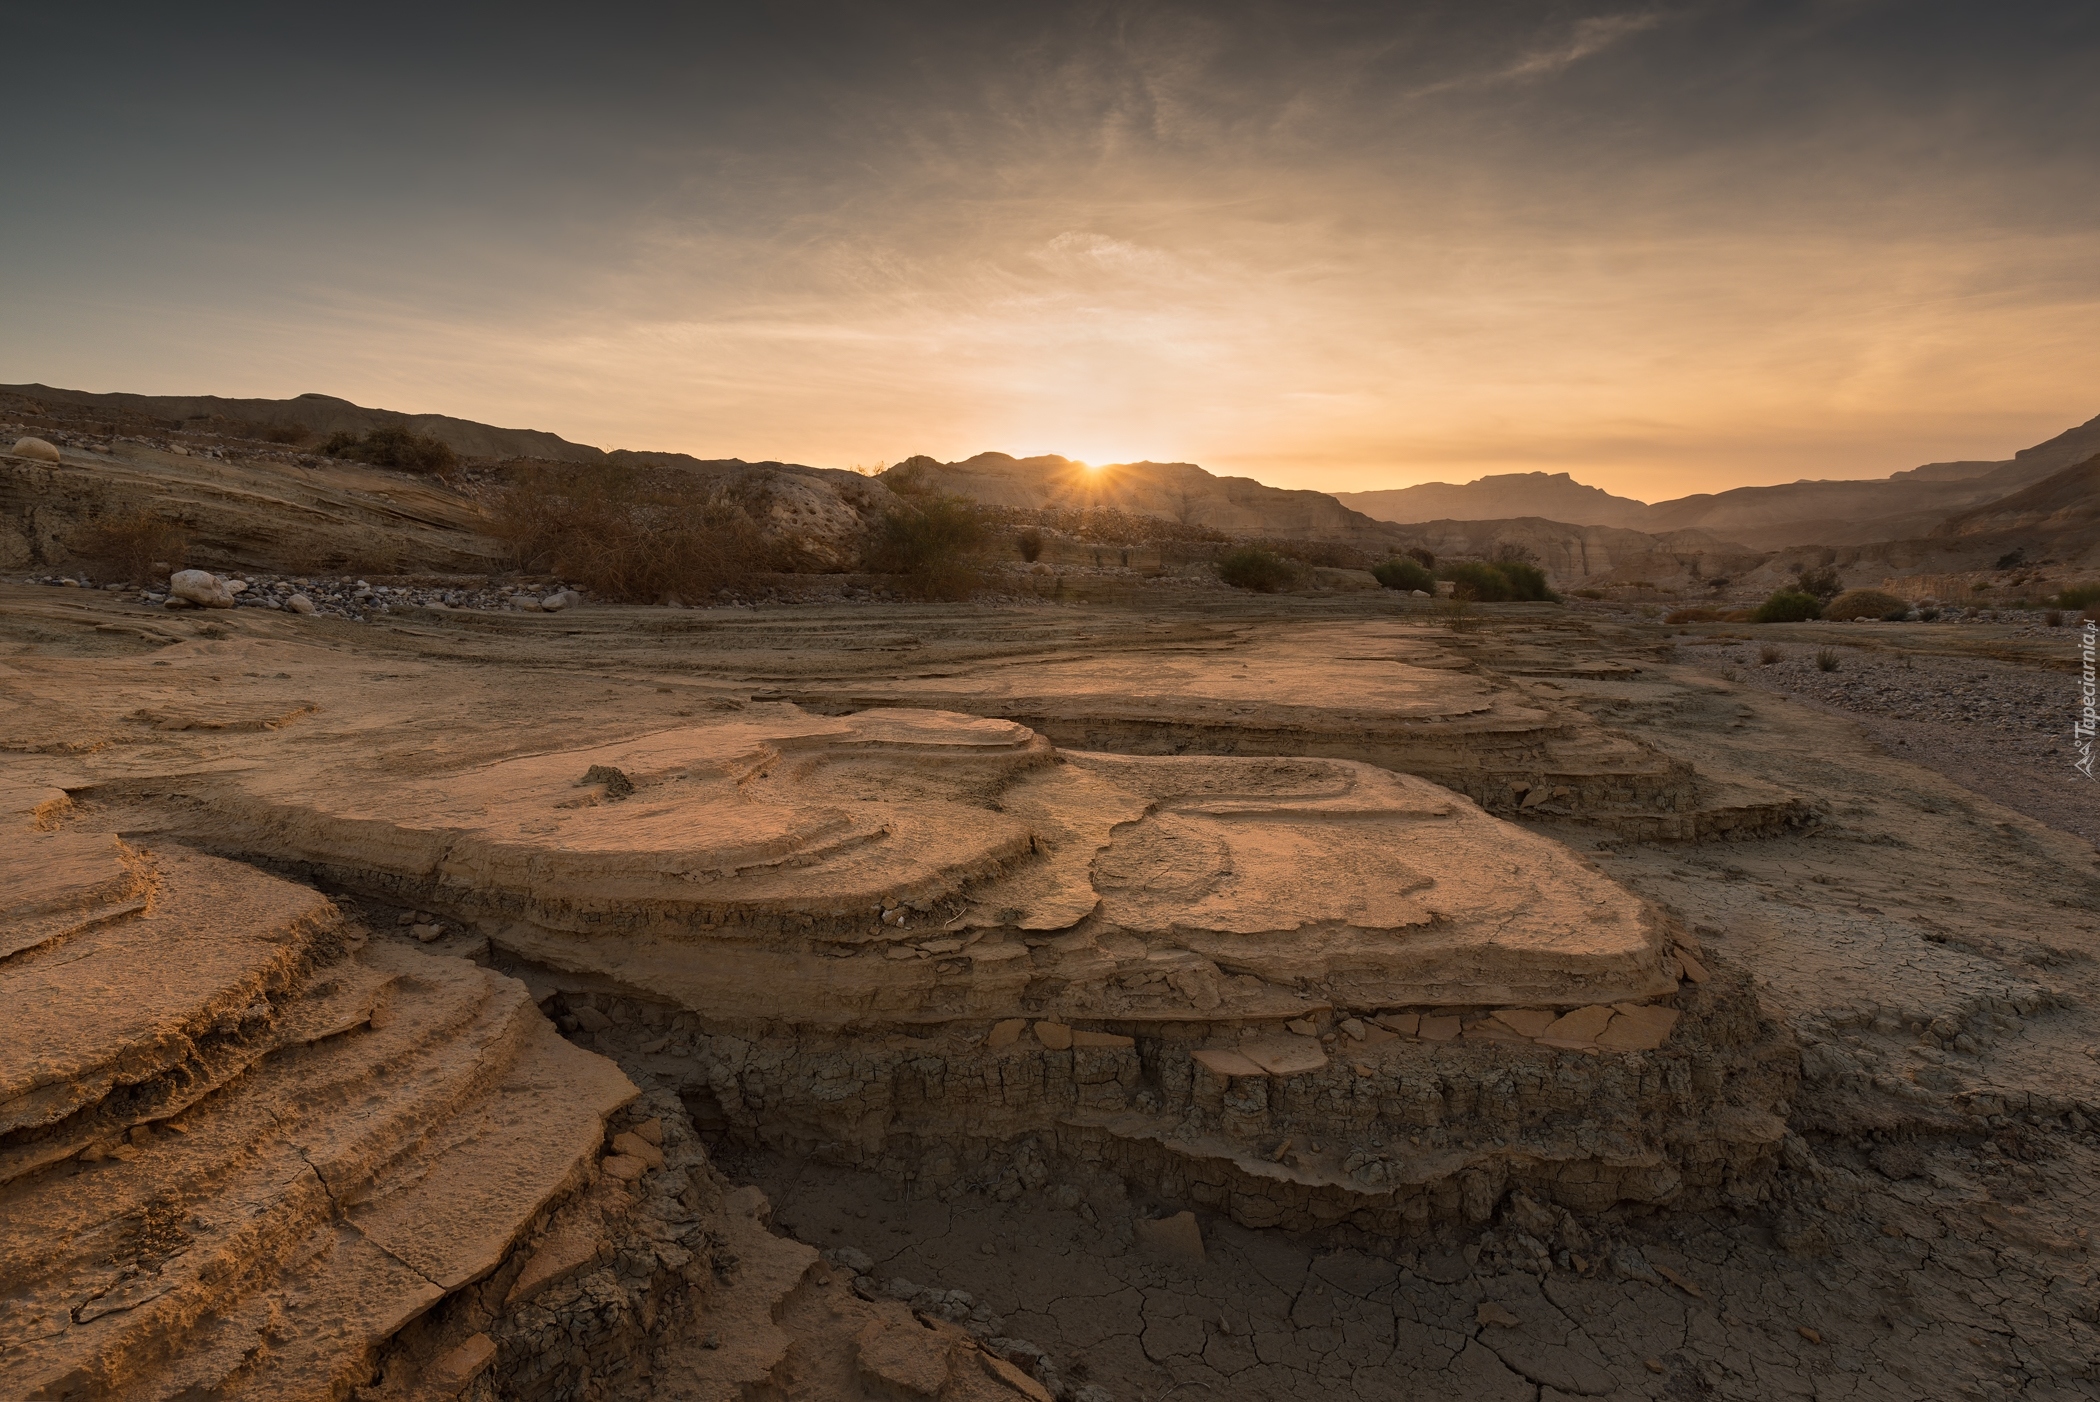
x=1927, y=1287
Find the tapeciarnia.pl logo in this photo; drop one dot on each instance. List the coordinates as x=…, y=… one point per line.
x=2088, y=714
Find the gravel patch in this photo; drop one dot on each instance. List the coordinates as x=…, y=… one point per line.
x=1998, y=728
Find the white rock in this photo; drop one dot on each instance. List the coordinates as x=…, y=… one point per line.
x=235, y=586
x=202, y=588
x=35, y=448
x=299, y=603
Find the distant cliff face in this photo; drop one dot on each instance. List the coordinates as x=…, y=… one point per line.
x=2059, y=514
x=1174, y=491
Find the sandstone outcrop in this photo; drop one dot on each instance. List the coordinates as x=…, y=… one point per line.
x=916, y=938
x=225, y=1115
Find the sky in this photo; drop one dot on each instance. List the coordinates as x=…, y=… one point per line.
x=1667, y=247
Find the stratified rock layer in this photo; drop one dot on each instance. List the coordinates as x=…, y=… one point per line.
x=917, y=937
x=240, y=1148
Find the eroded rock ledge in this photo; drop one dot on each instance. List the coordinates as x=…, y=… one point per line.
x=912, y=939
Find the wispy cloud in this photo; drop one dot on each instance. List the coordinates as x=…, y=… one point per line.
x=1551, y=54
x=1589, y=37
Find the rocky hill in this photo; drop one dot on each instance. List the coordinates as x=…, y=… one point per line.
x=1174, y=491
x=318, y=414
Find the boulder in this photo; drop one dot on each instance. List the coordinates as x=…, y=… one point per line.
x=299, y=603
x=200, y=587
x=35, y=448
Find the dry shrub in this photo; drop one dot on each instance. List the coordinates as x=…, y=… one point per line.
x=933, y=543
x=1826, y=660
x=1030, y=543
x=393, y=447
x=628, y=533
x=1768, y=654
x=132, y=544
x=1823, y=581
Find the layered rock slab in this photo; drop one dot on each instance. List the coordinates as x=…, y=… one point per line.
x=1396, y=695
x=928, y=866
x=240, y=1149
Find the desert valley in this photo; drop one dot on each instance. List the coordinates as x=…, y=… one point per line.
x=1148, y=702
x=490, y=918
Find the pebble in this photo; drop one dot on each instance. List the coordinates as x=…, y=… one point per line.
x=333, y=596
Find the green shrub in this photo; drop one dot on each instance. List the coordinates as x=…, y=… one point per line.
x=1251, y=567
x=1527, y=582
x=1499, y=583
x=1789, y=606
x=1401, y=572
x=393, y=447
x=933, y=542
x=1865, y=603
x=2079, y=596
x=1476, y=581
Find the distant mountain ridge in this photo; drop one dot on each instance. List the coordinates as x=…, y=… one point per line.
x=1838, y=512
x=1553, y=495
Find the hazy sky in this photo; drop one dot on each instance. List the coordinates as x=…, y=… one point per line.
x=1668, y=247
